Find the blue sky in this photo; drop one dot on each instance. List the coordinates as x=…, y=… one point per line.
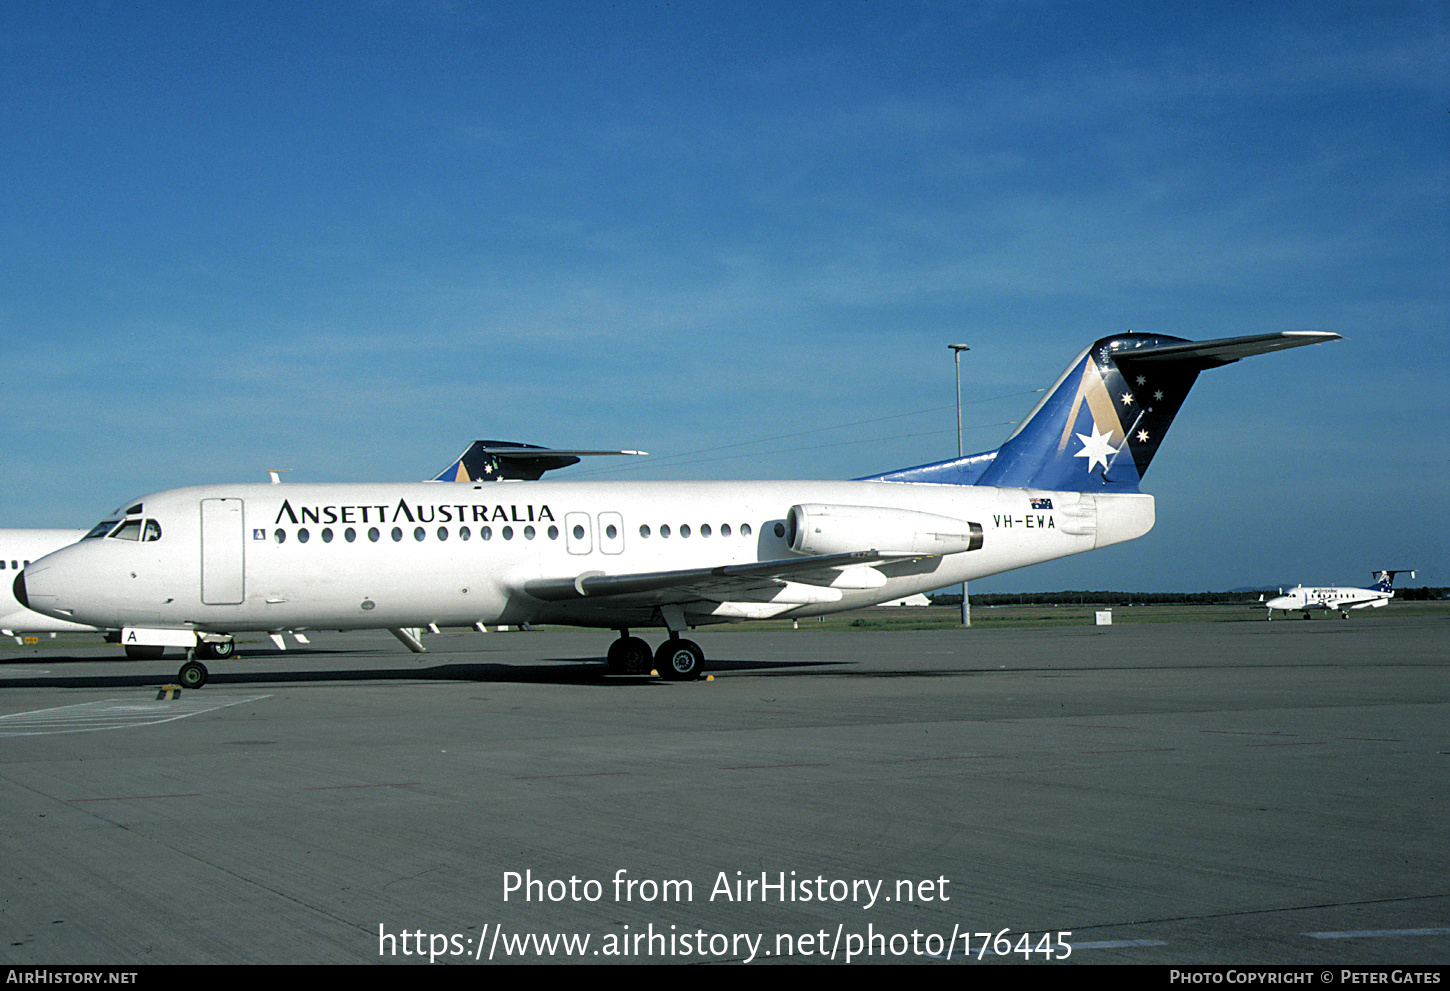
x=348, y=239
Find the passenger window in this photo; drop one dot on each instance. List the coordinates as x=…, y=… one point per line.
x=745, y=529
x=528, y=533
x=279, y=535
x=442, y=533
x=485, y=533
x=644, y=529
x=508, y=533
x=665, y=530
x=397, y=534
x=724, y=529
x=349, y=535
x=419, y=533
x=373, y=534
x=704, y=529
x=464, y=533
x=303, y=536
x=684, y=530
x=553, y=533
x=327, y=535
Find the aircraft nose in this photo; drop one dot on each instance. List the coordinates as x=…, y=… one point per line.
x=18, y=587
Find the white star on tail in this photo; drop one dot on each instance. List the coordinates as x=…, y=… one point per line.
x=1096, y=448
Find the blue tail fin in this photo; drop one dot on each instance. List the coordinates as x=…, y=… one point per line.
x=1386, y=580
x=1101, y=423
x=503, y=460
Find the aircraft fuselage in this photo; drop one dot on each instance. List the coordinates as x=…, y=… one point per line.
x=231, y=558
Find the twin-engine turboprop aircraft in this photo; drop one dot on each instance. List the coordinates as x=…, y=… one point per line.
x=238, y=558
x=1305, y=599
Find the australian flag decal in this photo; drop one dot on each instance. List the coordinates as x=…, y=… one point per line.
x=1041, y=503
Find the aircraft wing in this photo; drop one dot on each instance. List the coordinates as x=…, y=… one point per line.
x=719, y=583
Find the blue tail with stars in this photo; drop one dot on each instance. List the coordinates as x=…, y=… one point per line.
x=1099, y=426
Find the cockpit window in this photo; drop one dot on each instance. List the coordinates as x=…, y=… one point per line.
x=130, y=530
x=101, y=529
x=134, y=510
x=151, y=531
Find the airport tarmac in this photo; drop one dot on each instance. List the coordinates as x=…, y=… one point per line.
x=1231, y=793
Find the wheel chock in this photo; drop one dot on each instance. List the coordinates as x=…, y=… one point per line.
x=168, y=693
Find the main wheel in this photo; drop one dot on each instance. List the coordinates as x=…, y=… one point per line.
x=629, y=655
x=680, y=660
x=216, y=649
x=192, y=674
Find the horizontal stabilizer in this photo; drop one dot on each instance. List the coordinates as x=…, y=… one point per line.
x=1226, y=350
x=499, y=460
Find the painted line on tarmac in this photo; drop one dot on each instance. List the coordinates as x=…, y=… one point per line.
x=91, y=717
x=1378, y=933
x=1117, y=944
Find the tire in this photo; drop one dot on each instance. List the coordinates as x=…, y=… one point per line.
x=629, y=655
x=680, y=660
x=216, y=650
x=193, y=674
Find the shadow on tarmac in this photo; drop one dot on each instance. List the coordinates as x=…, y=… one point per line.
x=548, y=671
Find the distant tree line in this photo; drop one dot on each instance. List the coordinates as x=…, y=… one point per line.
x=1145, y=598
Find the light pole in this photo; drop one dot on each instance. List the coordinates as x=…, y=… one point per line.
x=957, y=350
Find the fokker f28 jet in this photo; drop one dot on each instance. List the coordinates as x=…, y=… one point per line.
x=622, y=555
x=492, y=459
x=1305, y=598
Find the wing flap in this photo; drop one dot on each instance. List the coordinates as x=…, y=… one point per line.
x=720, y=583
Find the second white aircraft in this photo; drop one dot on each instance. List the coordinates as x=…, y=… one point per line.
x=1306, y=598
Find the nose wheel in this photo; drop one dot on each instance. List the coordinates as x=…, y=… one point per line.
x=193, y=674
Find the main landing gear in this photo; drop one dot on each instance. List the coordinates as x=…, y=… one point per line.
x=676, y=659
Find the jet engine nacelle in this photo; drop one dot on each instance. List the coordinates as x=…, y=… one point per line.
x=818, y=529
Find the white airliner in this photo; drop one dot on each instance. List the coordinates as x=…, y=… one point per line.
x=1303, y=598
x=499, y=460
x=191, y=567
x=17, y=549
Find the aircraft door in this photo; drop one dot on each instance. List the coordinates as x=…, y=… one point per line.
x=576, y=533
x=221, y=551
x=611, y=533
